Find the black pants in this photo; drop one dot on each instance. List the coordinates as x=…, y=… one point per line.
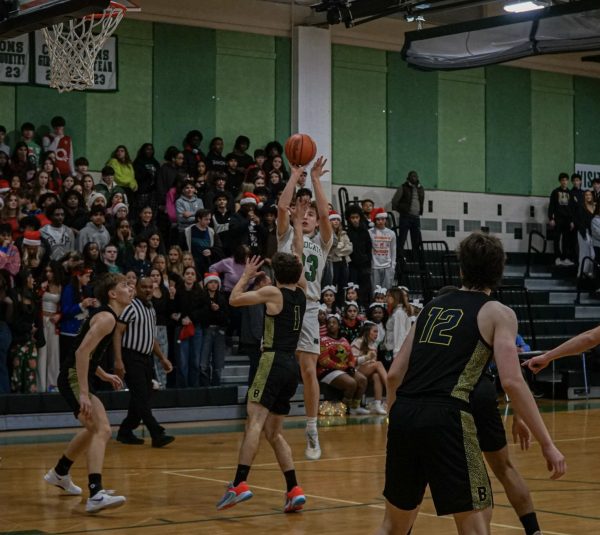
x=139, y=371
x=361, y=275
x=564, y=239
x=406, y=224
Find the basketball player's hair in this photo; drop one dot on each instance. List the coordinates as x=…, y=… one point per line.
x=104, y=284
x=481, y=259
x=287, y=268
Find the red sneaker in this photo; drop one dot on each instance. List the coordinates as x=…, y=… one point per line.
x=235, y=495
x=294, y=500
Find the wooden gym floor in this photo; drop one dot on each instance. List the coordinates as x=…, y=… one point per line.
x=174, y=490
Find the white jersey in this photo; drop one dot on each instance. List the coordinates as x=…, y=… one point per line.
x=314, y=257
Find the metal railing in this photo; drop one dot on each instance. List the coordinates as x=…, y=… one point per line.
x=533, y=249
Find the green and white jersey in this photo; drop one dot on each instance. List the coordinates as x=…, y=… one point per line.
x=314, y=256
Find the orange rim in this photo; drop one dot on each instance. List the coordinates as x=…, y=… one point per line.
x=116, y=10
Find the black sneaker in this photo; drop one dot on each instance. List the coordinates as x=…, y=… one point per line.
x=162, y=440
x=129, y=439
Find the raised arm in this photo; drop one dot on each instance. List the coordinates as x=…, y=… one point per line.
x=268, y=295
x=317, y=171
x=285, y=201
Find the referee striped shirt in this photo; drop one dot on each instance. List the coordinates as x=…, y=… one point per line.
x=141, y=327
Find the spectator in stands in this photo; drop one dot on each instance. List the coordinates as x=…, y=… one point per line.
x=109, y=257
x=6, y=311
x=60, y=238
x=245, y=227
x=92, y=259
x=367, y=206
x=107, y=185
x=123, y=241
x=3, y=146
x=337, y=367
x=260, y=157
x=139, y=262
x=76, y=215
x=380, y=294
x=202, y=241
x=583, y=216
x=268, y=216
x=398, y=324
x=49, y=353
x=34, y=151
x=202, y=178
x=4, y=165
x=351, y=324
x=21, y=164
x=155, y=246
x=62, y=145
x=10, y=257
x=240, y=148
x=560, y=221
x=336, y=268
x=328, y=297
x=190, y=303
x=221, y=215
x=34, y=257
x=596, y=189
x=362, y=253
x=69, y=184
x=26, y=335
x=40, y=183
x=187, y=205
x=82, y=166
x=235, y=177
x=384, y=251
x=364, y=349
x=214, y=159
x=522, y=345
x=378, y=315
x=55, y=180
x=160, y=263
x=146, y=167
x=171, y=173
x=175, y=260
x=576, y=194
x=276, y=164
x=88, y=187
x=215, y=320
x=144, y=224
x=192, y=154
x=94, y=230
x=161, y=300
x=408, y=202
x=217, y=187
x=351, y=296
x=188, y=260
x=121, y=162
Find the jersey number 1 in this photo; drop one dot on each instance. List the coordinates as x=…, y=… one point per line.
x=312, y=262
x=440, y=322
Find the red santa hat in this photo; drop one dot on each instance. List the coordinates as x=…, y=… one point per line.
x=377, y=213
x=32, y=237
x=210, y=277
x=334, y=215
x=249, y=198
x=4, y=186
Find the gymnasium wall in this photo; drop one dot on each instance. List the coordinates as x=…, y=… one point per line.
x=500, y=130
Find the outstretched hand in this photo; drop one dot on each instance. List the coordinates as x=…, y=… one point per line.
x=318, y=168
x=296, y=172
x=536, y=364
x=253, y=265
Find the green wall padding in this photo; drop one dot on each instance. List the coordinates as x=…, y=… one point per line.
x=587, y=120
x=245, y=87
x=283, y=88
x=7, y=111
x=508, y=130
x=552, y=129
x=461, y=133
x=412, y=124
x=184, y=83
x=359, y=116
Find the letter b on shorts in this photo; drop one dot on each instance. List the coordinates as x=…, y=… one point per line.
x=482, y=492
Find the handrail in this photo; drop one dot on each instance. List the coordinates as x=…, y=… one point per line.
x=343, y=199
x=580, y=276
x=531, y=248
x=523, y=291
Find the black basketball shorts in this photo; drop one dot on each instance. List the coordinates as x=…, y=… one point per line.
x=434, y=443
x=275, y=382
x=484, y=407
x=68, y=386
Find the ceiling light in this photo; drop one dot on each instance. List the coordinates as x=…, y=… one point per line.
x=528, y=5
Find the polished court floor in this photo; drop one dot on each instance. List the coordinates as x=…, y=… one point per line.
x=174, y=490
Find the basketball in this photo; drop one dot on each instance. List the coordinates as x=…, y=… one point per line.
x=300, y=149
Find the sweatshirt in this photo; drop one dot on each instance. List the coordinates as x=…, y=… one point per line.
x=384, y=248
x=183, y=204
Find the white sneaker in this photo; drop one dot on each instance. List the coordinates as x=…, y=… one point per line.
x=567, y=263
x=103, y=500
x=359, y=411
x=313, y=449
x=377, y=408
x=63, y=482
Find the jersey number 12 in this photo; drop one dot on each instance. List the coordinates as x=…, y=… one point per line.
x=440, y=323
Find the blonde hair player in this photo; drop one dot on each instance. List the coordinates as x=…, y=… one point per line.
x=315, y=250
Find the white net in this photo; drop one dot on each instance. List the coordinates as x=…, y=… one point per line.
x=74, y=45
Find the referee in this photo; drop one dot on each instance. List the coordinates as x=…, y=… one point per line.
x=134, y=344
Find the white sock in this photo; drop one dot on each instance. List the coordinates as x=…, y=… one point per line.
x=311, y=425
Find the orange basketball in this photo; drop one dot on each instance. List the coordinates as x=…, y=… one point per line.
x=300, y=149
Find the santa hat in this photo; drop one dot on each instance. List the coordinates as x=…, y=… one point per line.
x=118, y=206
x=249, y=198
x=4, y=186
x=334, y=215
x=32, y=237
x=377, y=213
x=83, y=271
x=210, y=277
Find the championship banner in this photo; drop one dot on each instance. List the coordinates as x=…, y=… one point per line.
x=588, y=173
x=105, y=66
x=14, y=60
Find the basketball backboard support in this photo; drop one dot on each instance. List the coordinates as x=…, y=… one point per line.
x=23, y=16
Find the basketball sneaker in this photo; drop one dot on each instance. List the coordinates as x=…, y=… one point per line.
x=377, y=408
x=234, y=495
x=359, y=411
x=294, y=500
x=63, y=482
x=313, y=449
x=103, y=500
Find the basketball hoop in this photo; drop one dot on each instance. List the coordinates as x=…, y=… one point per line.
x=74, y=45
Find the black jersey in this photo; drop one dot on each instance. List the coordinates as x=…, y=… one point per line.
x=96, y=355
x=449, y=354
x=282, y=331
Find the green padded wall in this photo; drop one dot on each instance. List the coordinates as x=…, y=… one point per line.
x=587, y=120
x=461, y=133
x=508, y=130
x=412, y=123
x=8, y=110
x=283, y=88
x=552, y=129
x=359, y=126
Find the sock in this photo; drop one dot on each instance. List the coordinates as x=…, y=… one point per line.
x=530, y=523
x=311, y=424
x=94, y=484
x=355, y=403
x=241, y=475
x=63, y=466
x=290, y=479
